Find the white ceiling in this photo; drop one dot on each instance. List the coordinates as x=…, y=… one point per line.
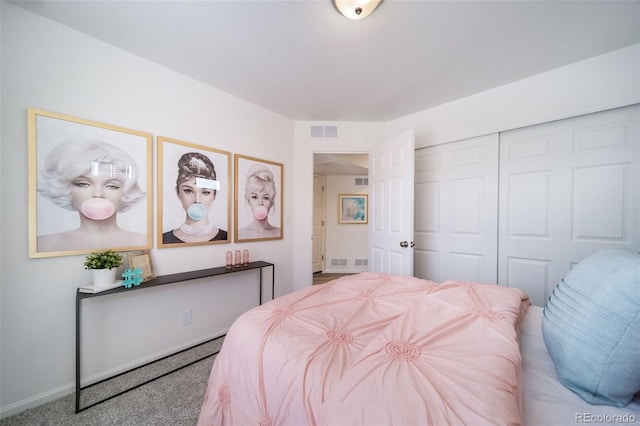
x=303, y=60
x=341, y=164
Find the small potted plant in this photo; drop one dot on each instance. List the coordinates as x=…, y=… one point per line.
x=103, y=265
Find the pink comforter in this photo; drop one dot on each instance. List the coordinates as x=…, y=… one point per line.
x=372, y=349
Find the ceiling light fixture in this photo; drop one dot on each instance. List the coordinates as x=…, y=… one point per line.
x=356, y=9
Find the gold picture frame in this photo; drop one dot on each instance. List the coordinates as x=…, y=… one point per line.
x=190, y=176
x=262, y=181
x=90, y=186
x=142, y=260
x=353, y=209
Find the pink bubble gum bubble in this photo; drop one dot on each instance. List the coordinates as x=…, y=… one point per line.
x=98, y=208
x=260, y=212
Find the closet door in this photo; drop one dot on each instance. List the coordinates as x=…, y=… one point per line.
x=567, y=189
x=455, y=219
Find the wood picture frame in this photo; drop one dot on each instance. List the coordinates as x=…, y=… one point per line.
x=258, y=198
x=142, y=259
x=353, y=209
x=194, y=194
x=90, y=186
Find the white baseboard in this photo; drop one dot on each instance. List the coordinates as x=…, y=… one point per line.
x=36, y=400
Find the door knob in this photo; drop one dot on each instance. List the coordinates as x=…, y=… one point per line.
x=404, y=244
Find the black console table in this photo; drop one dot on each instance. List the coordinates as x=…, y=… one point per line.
x=161, y=280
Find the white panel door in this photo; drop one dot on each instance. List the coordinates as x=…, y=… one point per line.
x=456, y=220
x=391, y=206
x=317, y=239
x=567, y=189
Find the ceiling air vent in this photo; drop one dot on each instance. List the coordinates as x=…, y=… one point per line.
x=324, y=131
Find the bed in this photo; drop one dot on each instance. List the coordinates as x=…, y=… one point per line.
x=378, y=349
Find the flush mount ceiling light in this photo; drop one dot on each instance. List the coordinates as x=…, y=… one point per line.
x=356, y=9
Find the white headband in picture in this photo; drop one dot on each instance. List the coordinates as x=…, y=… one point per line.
x=121, y=170
x=208, y=183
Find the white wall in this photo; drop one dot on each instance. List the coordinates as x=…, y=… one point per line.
x=352, y=137
x=344, y=241
x=600, y=83
x=48, y=66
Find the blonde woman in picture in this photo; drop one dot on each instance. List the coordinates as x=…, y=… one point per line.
x=260, y=197
x=98, y=181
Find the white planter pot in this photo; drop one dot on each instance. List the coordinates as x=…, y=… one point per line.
x=103, y=277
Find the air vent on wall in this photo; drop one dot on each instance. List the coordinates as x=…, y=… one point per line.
x=361, y=262
x=317, y=131
x=362, y=181
x=338, y=262
x=324, y=131
x=330, y=131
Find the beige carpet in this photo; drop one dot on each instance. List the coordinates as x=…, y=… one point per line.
x=172, y=400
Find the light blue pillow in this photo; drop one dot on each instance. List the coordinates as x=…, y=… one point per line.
x=591, y=326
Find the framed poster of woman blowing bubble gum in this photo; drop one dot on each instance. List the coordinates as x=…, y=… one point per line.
x=194, y=194
x=89, y=186
x=258, y=194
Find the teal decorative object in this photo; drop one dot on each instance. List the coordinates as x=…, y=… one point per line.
x=132, y=277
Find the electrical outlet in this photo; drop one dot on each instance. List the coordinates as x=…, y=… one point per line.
x=186, y=317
